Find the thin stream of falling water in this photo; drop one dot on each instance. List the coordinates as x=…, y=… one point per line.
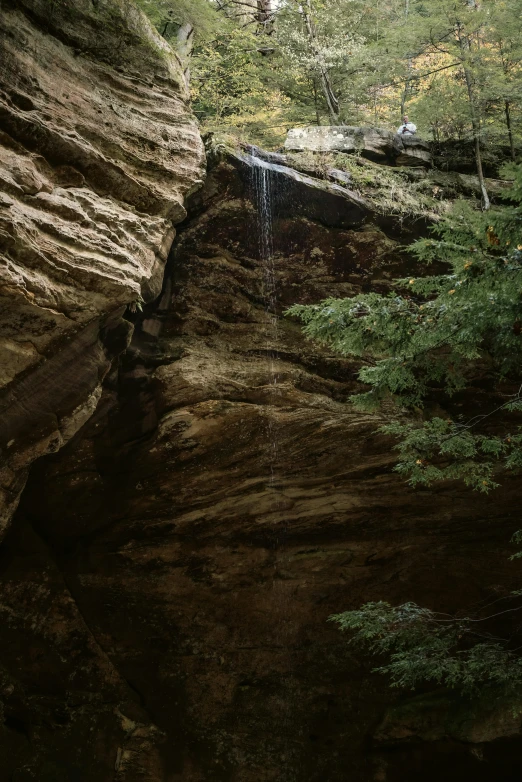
x=263, y=192
x=265, y=186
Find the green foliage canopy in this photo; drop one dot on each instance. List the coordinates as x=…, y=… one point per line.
x=369, y=59
x=168, y=15
x=424, y=646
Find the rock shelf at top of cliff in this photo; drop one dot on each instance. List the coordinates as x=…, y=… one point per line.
x=378, y=144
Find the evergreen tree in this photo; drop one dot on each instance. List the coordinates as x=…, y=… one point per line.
x=431, y=337
x=426, y=646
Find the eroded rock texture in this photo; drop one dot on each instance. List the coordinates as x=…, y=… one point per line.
x=171, y=571
x=97, y=152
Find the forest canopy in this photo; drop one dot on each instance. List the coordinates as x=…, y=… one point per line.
x=259, y=67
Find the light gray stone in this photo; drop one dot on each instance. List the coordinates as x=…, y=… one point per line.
x=378, y=144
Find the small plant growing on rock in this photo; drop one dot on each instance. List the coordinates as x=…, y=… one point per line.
x=136, y=305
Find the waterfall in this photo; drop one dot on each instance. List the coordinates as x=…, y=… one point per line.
x=263, y=187
x=266, y=195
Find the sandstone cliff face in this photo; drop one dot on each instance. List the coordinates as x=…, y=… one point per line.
x=97, y=152
x=171, y=571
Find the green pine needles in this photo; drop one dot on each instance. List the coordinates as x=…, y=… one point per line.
x=424, y=646
x=435, y=335
x=432, y=337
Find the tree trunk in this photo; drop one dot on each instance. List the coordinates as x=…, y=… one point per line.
x=507, y=103
x=331, y=100
x=406, y=90
x=475, y=123
x=407, y=82
x=330, y=97
x=264, y=14
x=265, y=24
x=465, y=46
x=184, y=46
x=316, y=103
x=507, y=108
x=258, y=12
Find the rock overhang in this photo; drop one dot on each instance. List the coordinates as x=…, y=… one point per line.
x=297, y=194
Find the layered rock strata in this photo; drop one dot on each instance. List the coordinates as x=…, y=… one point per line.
x=171, y=571
x=97, y=153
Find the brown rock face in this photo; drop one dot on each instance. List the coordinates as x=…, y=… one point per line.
x=171, y=571
x=97, y=152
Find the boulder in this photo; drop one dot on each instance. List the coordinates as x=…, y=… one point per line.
x=411, y=151
x=377, y=144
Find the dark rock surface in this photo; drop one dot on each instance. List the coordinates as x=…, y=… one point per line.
x=459, y=156
x=166, y=586
x=297, y=195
